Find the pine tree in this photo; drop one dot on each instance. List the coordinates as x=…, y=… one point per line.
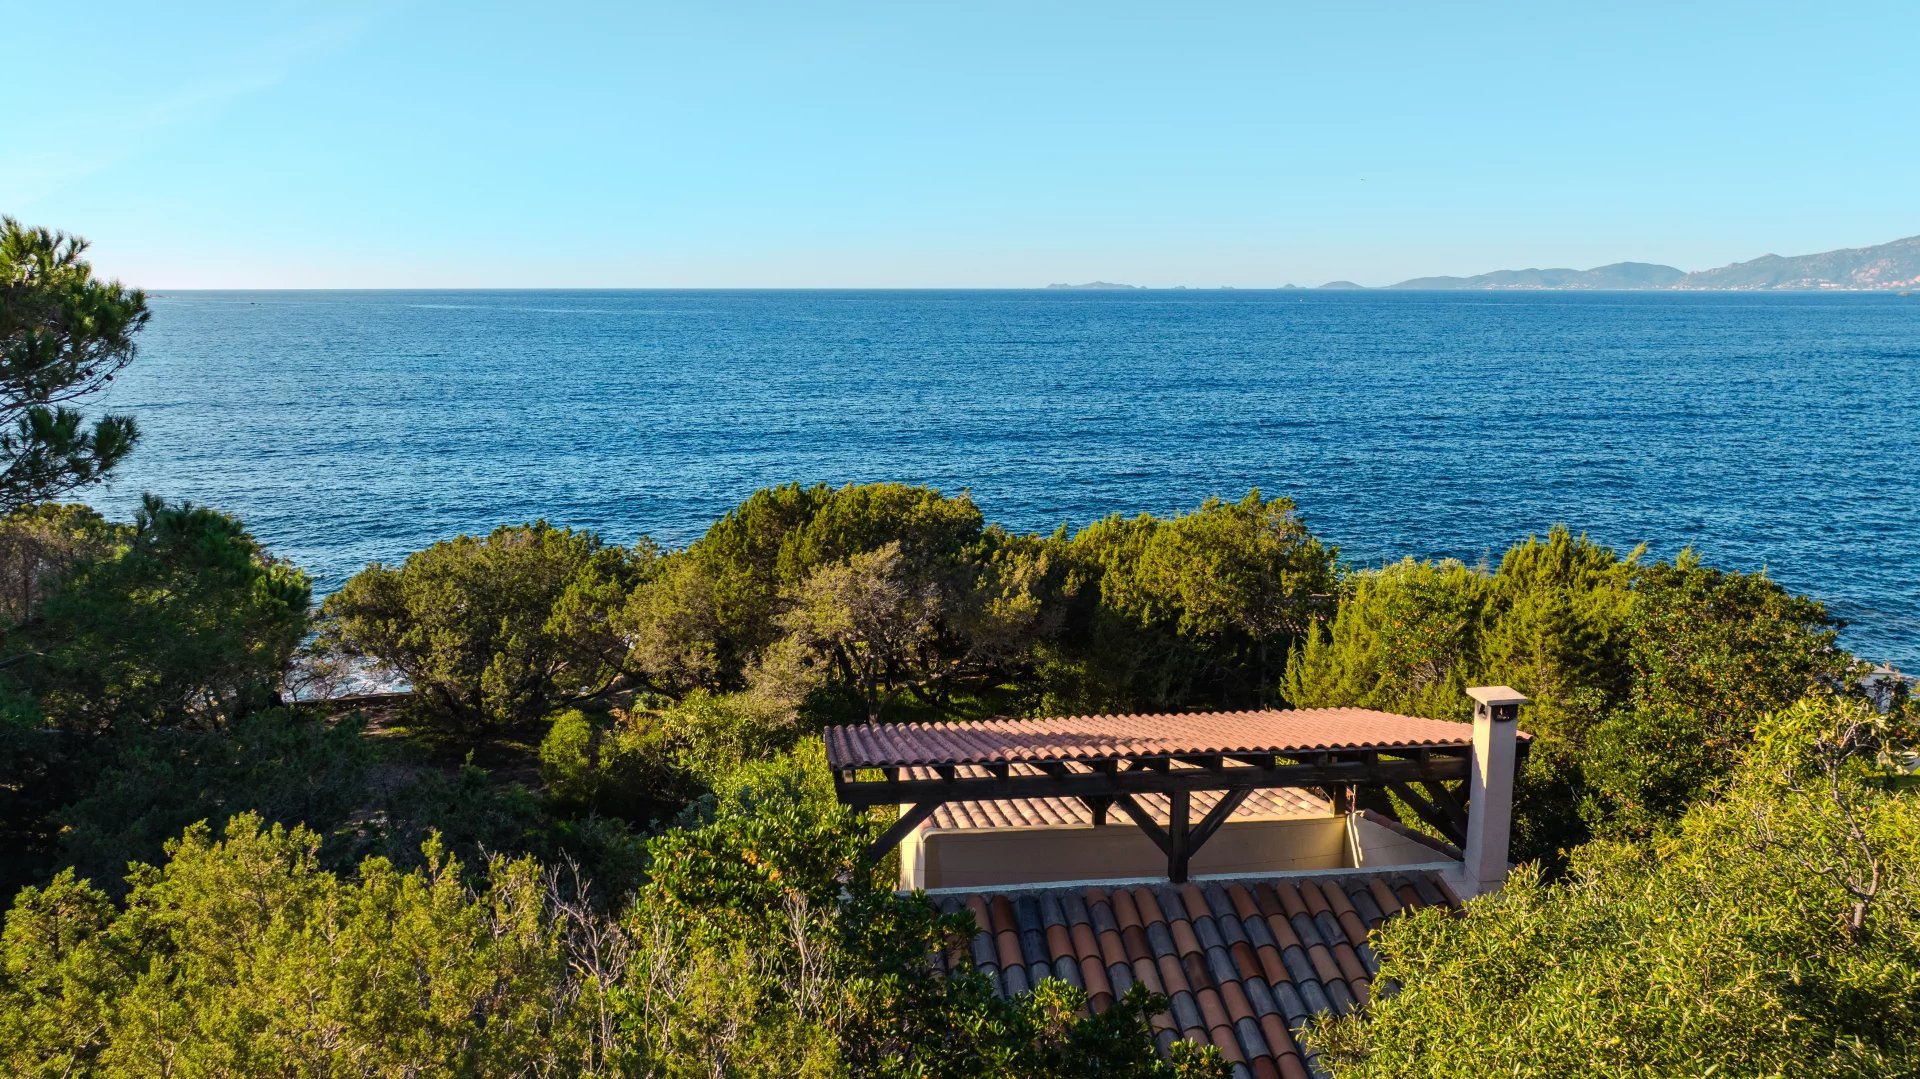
x=63, y=336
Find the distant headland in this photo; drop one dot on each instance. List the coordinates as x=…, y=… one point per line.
x=1888, y=267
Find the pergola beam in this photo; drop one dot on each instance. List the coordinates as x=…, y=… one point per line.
x=1070, y=784
x=909, y=820
x=1146, y=822
x=1428, y=812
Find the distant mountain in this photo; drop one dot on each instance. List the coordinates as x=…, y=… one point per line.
x=1095, y=285
x=1341, y=284
x=1887, y=266
x=1893, y=265
x=1617, y=276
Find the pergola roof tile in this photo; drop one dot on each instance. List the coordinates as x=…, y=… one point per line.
x=1273, y=804
x=1122, y=737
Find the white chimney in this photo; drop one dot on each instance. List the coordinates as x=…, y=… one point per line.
x=1496, y=722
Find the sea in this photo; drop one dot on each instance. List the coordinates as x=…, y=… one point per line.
x=1775, y=431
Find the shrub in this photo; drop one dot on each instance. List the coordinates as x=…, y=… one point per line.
x=1776, y=933
x=614, y=766
x=494, y=631
x=190, y=623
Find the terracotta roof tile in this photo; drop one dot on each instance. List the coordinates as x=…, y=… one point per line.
x=1383, y=897
x=1149, y=906
x=1278, y=803
x=1172, y=978
x=1084, y=944
x=1240, y=969
x=1112, y=737
x=1183, y=939
x=1145, y=971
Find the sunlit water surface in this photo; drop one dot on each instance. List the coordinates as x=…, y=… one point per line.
x=1774, y=430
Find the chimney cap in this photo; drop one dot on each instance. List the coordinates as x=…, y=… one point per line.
x=1496, y=695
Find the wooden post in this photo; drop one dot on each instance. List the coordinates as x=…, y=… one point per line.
x=1177, y=853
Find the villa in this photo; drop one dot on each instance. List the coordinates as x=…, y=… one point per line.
x=1252, y=855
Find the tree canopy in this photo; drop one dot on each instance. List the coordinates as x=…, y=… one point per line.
x=1646, y=678
x=63, y=336
x=495, y=630
x=1776, y=931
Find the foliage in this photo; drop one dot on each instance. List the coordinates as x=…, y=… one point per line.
x=798, y=776
x=1194, y=609
x=621, y=766
x=494, y=631
x=761, y=946
x=714, y=735
x=63, y=336
x=40, y=546
x=767, y=946
x=1777, y=932
x=1709, y=652
x=884, y=588
x=142, y=661
x=1405, y=639
x=189, y=623
x=243, y=956
x=283, y=767
x=1646, y=680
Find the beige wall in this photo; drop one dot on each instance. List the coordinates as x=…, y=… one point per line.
x=1375, y=845
x=989, y=857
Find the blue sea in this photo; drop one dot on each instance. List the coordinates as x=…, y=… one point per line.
x=1768, y=430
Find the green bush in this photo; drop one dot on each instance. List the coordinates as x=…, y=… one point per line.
x=241, y=956
x=1646, y=680
x=1198, y=609
x=494, y=631
x=715, y=735
x=774, y=949
x=1776, y=932
x=286, y=768
x=622, y=767
x=191, y=623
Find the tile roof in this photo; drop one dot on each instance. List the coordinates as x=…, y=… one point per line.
x=1246, y=963
x=1264, y=804
x=1086, y=738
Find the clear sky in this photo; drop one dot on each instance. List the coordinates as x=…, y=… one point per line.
x=813, y=143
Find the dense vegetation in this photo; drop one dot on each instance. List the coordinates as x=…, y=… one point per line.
x=1773, y=930
x=598, y=838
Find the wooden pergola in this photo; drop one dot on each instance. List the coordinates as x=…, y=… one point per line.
x=1353, y=756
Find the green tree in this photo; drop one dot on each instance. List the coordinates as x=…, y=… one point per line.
x=40, y=546
x=715, y=609
x=1776, y=933
x=63, y=336
x=1646, y=679
x=242, y=955
x=1708, y=652
x=622, y=765
x=285, y=767
x=767, y=946
x=498, y=630
x=190, y=623
x=1197, y=609
x=1405, y=639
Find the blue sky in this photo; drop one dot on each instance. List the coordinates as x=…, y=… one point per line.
x=965, y=145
